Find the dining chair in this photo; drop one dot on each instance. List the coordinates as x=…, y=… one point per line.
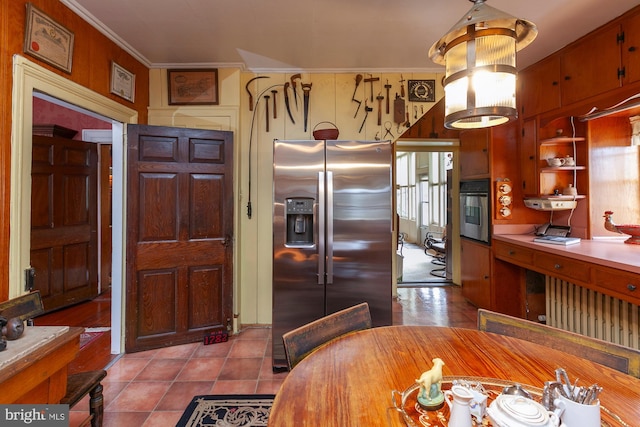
x=618, y=357
x=302, y=341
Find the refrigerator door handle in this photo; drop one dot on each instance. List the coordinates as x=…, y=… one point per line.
x=329, y=227
x=321, y=227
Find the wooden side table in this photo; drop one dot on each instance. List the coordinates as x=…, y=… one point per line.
x=33, y=369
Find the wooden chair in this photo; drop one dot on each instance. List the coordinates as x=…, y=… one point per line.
x=302, y=341
x=618, y=357
x=78, y=385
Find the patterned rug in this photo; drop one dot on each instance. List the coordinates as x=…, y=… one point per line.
x=227, y=411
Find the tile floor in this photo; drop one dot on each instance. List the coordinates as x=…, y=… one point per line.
x=153, y=388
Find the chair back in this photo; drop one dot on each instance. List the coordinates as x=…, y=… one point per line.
x=23, y=307
x=302, y=341
x=618, y=357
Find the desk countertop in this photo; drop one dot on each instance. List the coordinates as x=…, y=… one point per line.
x=608, y=253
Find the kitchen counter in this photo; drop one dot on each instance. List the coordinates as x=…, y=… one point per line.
x=611, y=253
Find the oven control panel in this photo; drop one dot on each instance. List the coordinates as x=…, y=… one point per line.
x=504, y=199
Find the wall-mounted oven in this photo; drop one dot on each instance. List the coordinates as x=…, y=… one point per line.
x=475, y=210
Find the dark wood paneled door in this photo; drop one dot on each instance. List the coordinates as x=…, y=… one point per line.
x=64, y=250
x=179, y=235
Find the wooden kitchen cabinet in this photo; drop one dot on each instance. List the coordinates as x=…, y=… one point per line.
x=475, y=273
x=591, y=65
x=529, y=158
x=539, y=87
x=474, y=153
x=631, y=48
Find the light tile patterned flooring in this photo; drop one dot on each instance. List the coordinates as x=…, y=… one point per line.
x=153, y=388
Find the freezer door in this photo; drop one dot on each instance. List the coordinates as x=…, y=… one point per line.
x=359, y=218
x=298, y=271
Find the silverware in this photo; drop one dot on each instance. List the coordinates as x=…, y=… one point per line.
x=563, y=378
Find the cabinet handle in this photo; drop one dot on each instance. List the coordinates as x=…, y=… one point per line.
x=554, y=83
x=631, y=287
x=486, y=277
x=567, y=77
x=512, y=252
x=557, y=266
x=632, y=49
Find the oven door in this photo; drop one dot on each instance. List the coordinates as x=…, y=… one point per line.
x=474, y=216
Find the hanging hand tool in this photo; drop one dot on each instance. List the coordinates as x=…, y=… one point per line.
x=370, y=80
x=353, y=97
x=398, y=111
x=367, y=109
x=266, y=110
x=415, y=111
x=387, y=127
x=286, y=102
x=249, y=92
x=408, y=122
x=379, y=98
x=293, y=86
x=387, y=87
x=306, y=90
x=401, y=86
x=275, y=107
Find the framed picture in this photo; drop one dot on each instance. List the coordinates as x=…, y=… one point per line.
x=193, y=87
x=123, y=82
x=47, y=40
x=422, y=90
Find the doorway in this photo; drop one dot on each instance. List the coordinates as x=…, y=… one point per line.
x=30, y=79
x=424, y=183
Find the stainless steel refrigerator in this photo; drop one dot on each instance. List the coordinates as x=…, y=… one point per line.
x=332, y=232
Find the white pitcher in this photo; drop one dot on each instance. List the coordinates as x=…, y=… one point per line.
x=459, y=399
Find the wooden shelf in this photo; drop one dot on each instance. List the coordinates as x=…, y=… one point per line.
x=561, y=140
x=562, y=168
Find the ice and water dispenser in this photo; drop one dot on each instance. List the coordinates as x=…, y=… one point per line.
x=299, y=220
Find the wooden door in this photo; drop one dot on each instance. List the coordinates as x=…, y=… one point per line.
x=179, y=235
x=64, y=251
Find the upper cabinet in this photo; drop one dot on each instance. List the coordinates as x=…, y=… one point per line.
x=592, y=65
x=474, y=153
x=597, y=64
x=539, y=87
x=631, y=48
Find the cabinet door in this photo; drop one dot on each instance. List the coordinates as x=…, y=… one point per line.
x=590, y=67
x=631, y=49
x=474, y=153
x=476, y=273
x=528, y=158
x=540, y=87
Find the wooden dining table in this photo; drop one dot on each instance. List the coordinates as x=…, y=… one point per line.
x=349, y=382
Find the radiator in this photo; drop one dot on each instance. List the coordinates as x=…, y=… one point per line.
x=591, y=313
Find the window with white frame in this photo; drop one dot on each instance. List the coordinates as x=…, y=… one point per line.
x=406, y=185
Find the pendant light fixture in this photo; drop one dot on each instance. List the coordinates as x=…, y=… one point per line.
x=479, y=55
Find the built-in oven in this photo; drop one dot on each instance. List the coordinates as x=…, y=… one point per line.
x=475, y=210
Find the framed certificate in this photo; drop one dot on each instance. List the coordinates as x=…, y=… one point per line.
x=123, y=82
x=48, y=40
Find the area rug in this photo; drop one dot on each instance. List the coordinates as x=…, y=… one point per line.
x=227, y=411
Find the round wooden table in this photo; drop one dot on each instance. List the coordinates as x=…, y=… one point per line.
x=349, y=381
